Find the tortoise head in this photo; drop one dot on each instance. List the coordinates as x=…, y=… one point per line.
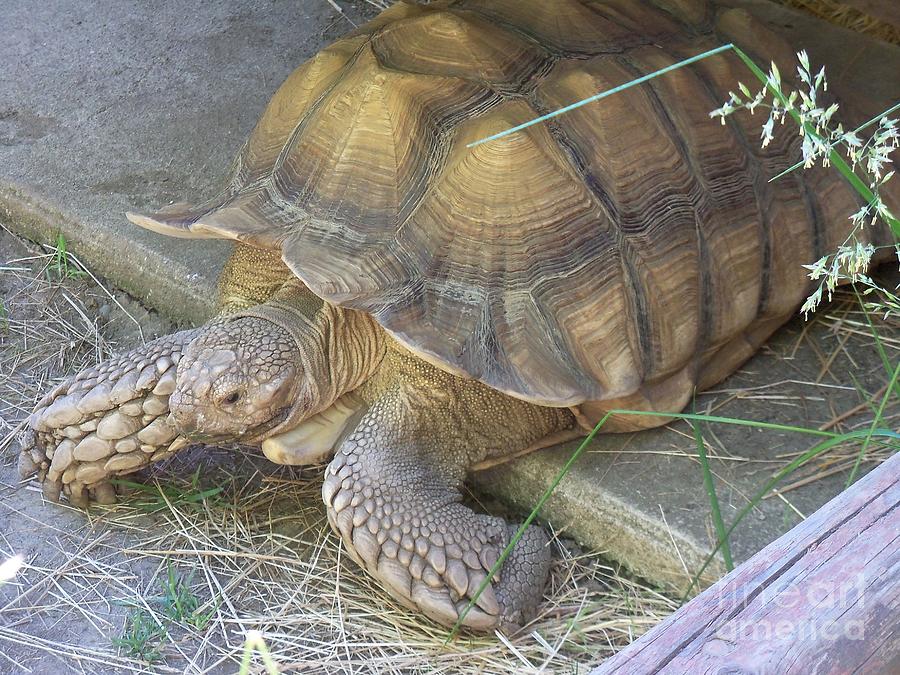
x=239, y=378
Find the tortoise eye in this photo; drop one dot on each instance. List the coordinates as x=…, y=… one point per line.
x=233, y=397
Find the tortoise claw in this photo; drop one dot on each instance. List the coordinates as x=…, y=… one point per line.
x=26, y=465
x=52, y=489
x=78, y=495
x=105, y=421
x=105, y=493
x=434, y=555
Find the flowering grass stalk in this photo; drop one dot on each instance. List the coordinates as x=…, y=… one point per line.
x=868, y=167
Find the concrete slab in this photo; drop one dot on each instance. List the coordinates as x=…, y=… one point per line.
x=118, y=105
x=107, y=106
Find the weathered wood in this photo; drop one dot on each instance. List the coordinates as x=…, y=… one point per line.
x=822, y=598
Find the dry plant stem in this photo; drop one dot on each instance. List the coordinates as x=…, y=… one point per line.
x=341, y=11
x=264, y=557
x=111, y=296
x=315, y=577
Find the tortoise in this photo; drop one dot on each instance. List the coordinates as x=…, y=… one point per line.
x=410, y=309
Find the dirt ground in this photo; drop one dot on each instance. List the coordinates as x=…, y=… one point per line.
x=218, y=542
x=221, y=542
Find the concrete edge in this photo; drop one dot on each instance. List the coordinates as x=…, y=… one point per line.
x=140, y=270
x=589, y=512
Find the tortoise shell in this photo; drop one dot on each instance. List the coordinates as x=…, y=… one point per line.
x=615, y=256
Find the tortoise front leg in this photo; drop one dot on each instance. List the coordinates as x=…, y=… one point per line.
x=105, y=421
x=113, y=419
x=392, y=493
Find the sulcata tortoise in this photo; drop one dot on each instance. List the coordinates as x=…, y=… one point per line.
x=410, y=309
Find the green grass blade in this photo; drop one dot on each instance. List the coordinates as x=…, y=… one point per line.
x=836, y=160
x=597, y=97
x=877, y=118
x=158, y=496
x=862, y=126
x=531, y=516
x=832, y=439
x=734, y=421
x=710, y=486
x=875, y=422
x=812, y=453
x=879, y=345
x=790, y=169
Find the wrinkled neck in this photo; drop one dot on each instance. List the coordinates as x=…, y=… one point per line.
x=337, y=350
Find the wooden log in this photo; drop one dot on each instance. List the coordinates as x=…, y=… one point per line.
x=822, y=598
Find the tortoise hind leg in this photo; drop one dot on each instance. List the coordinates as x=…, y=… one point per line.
x=107, y=420
x=392, y=493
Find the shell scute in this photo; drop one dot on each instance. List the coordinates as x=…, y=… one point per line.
x=611, y=257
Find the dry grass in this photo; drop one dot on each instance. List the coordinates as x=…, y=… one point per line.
x=266, y=560
x=262, y=558
x=845, y=16
x=836, y=337
x=45, y=331
x=259, y=555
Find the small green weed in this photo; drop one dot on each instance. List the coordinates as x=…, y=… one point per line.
x=710, y=486
x=4, y=317
x=61, y=266
x=141, y=636
x=179, y=603
x=158, y=497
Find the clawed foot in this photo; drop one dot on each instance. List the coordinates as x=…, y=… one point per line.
x=433, y=555
x=103, y=422
x=34, y=461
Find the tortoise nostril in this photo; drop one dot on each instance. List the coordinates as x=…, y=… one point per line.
x=184, y=424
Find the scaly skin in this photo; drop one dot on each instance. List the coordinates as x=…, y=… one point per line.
x=392, y=493
x=106, y=421
x=258, y=371
x=132, y=397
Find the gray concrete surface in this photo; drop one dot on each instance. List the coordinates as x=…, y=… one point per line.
x=111, y=105
x=116, y=105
